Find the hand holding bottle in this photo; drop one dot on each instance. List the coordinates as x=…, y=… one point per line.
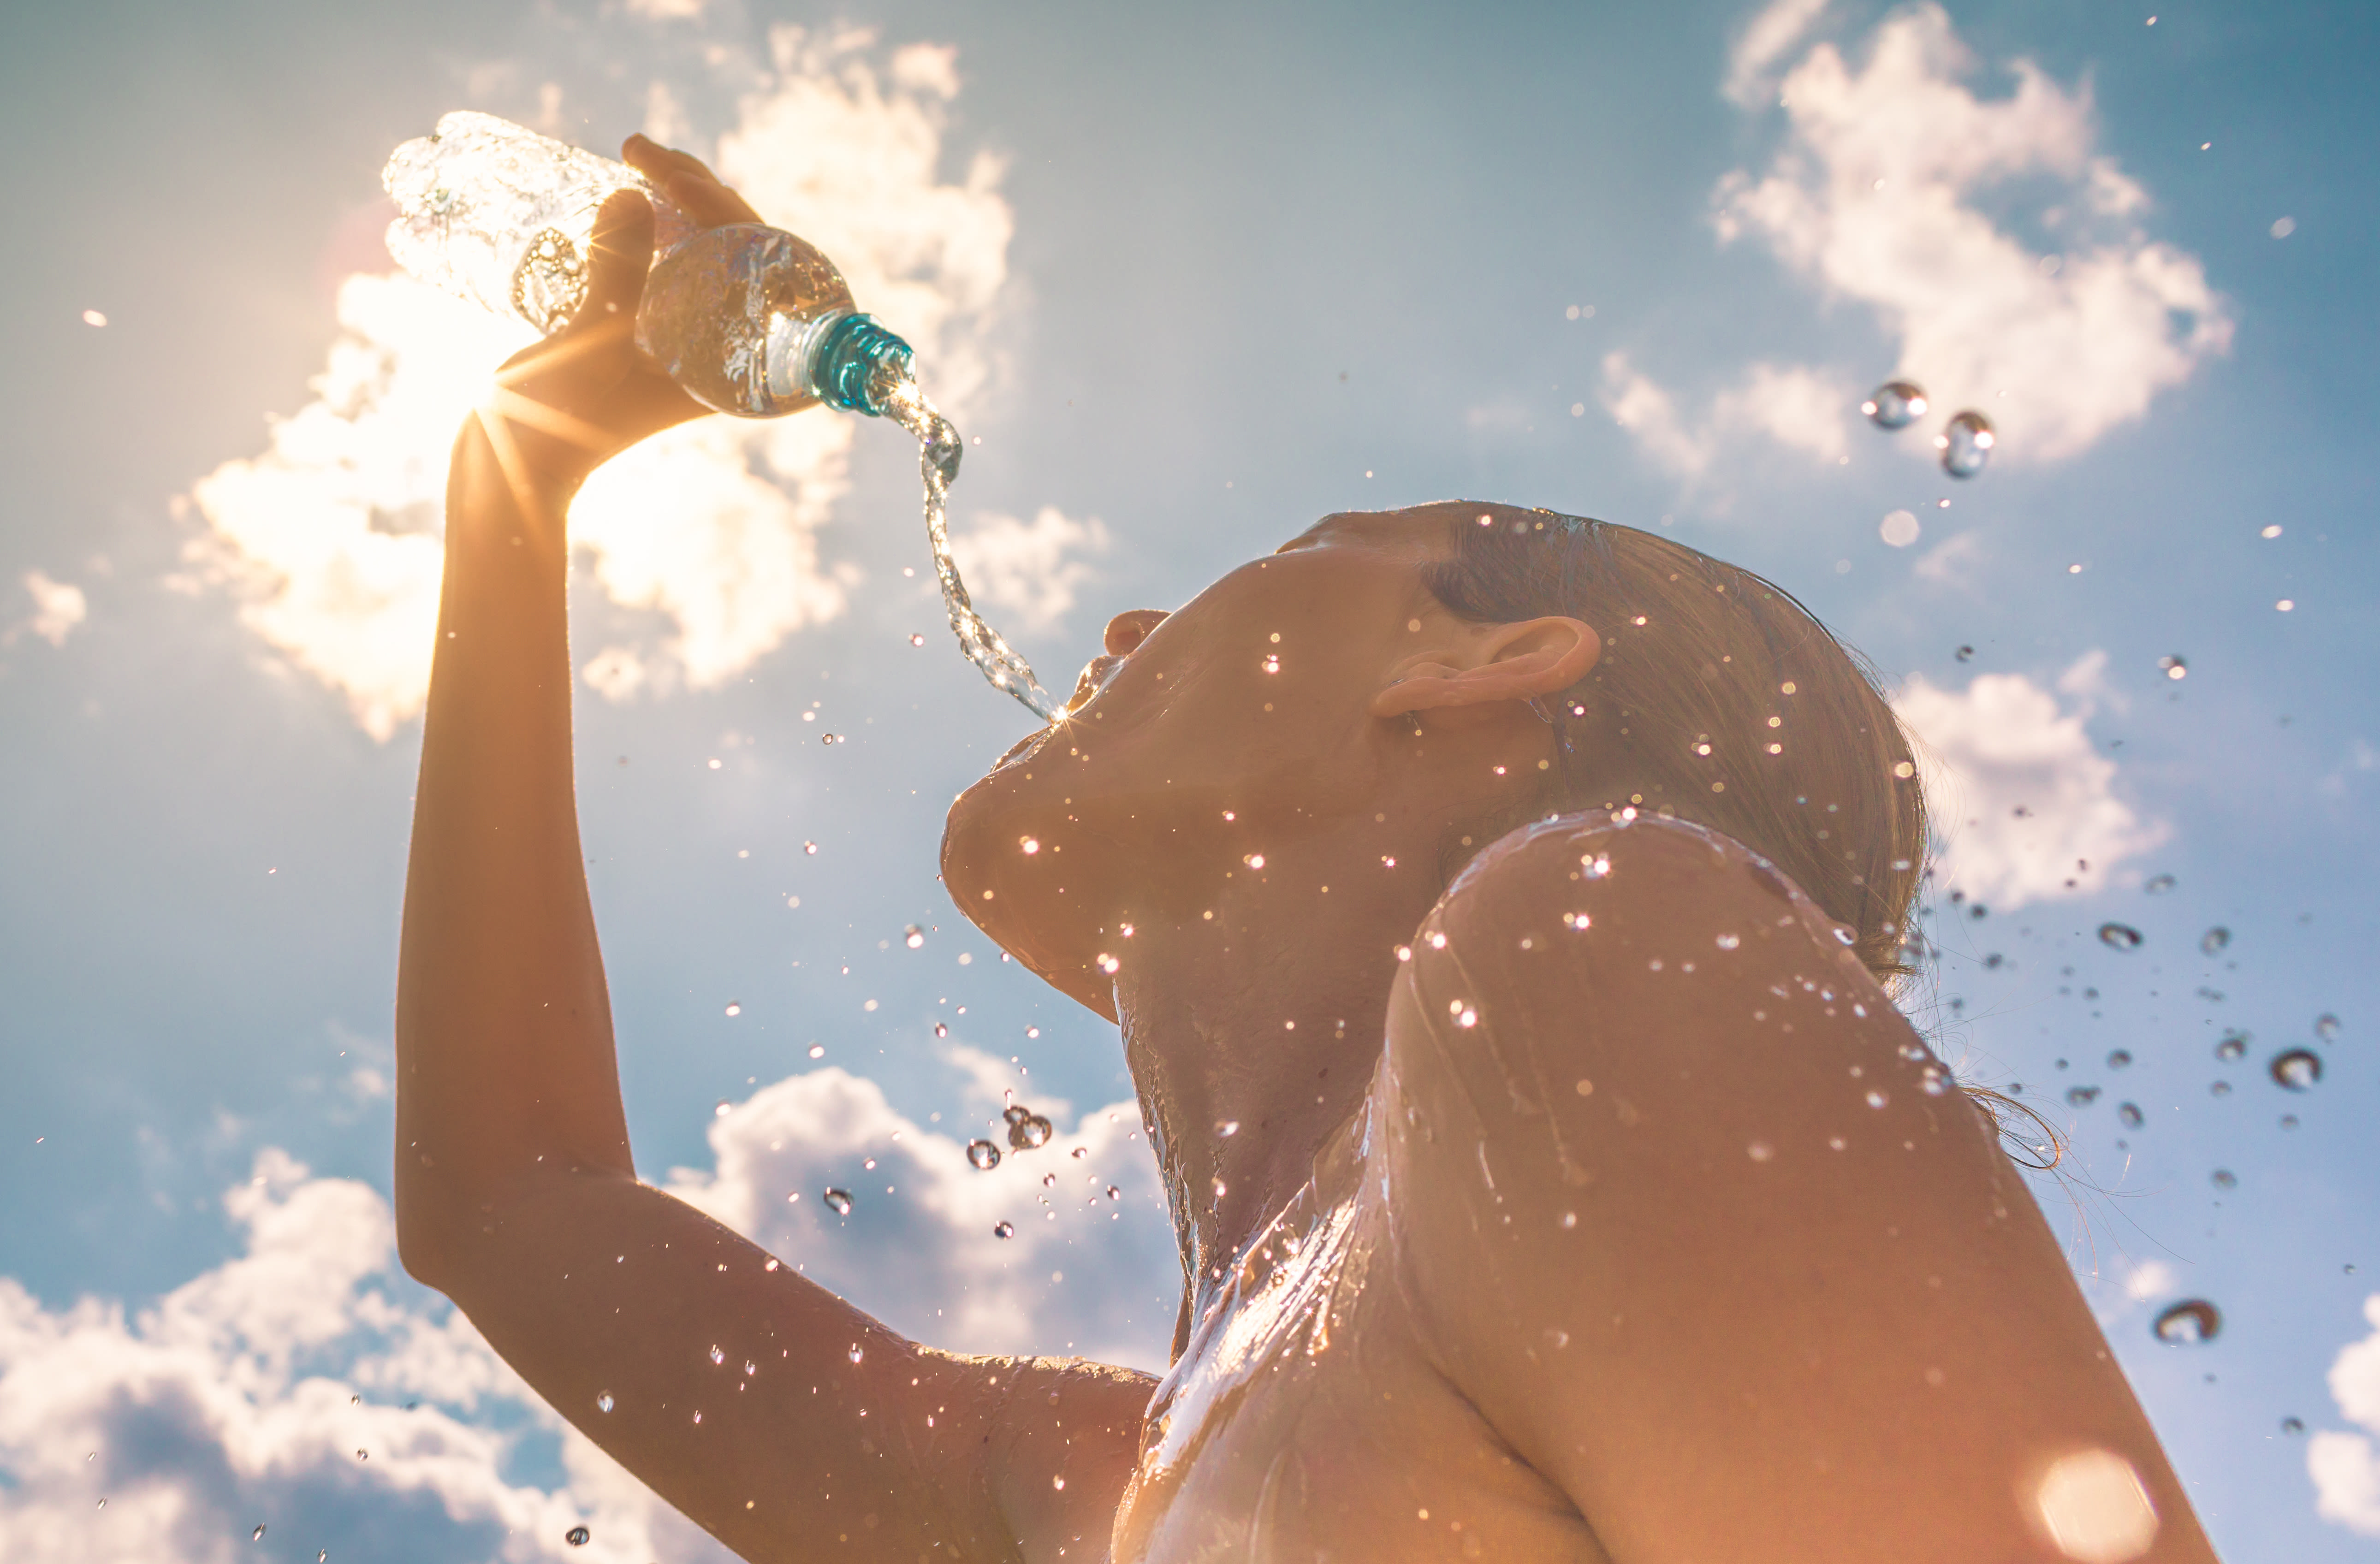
x=580, y=396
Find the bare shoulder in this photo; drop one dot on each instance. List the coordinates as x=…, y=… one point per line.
x=1694, y=1218
x=1584, y=937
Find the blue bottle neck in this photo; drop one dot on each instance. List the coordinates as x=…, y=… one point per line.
x=857, y=362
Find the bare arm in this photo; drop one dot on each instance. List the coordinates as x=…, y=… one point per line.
x=1693, y=1234
x=769, y=1409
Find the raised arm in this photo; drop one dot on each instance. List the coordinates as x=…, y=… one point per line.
x=773, y=1413
x=1696, y=1230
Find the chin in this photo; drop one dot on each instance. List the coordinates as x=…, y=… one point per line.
x=1038, y=884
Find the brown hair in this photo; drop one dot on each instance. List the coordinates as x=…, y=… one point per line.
x=1719, y=698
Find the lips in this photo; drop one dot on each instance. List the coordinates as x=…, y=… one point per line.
x=1093, y=679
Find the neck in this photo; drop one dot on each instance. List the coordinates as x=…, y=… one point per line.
x=1252, y=1034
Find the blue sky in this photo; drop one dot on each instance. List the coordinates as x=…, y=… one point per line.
x=1194, y=278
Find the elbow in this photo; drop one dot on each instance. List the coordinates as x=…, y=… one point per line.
x=429, y=1227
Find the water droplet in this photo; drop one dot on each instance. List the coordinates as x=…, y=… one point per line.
x=839, y=1202
x=2326, y=1027
x=817, y=1050
x=1845, y=936
x=2220, y=1088
x=717, y=1354
x=2082, y=1097
x=1004, y=1229
x=2233, y=1045
x=2214, y=940
x=1729, y=942
x=940, y=1030
x=2159, y=884
x=2119, y=1057
x=2224, y=1178
x=2129, y=1114
x=603, y=1403
x=1028, y=845
x=2188, y=1323
x=2119, y=937
x=579, y=1537
x=982, y=1155
x=721, y=1109
x=1932, y=1080
x=1114, y=1194
x=1108, y=964
x=1966, y=443
x=1898, y=529
x=2174, y=667
x=856, y=1352
x=2298, y=1068
x=1227, y=1128
x=256, y=1535
x=1015, y=1113
x=916, y=640
x=1895, y=403
x=1877, y=1100
x=913, y=936
x=1029, y=1132
x=750, y=1368
x=1048, y=1180
x=810, y=848
x=829, y=738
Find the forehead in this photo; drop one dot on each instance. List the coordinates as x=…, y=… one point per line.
x=1422, y=531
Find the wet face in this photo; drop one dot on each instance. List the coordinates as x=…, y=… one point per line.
x=1235, y=723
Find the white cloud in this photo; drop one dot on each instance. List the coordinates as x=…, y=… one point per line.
x=242, y=1397
x=1795, y=406
x=924, y=1257
x=2345, y=1467
x=59, y=607
x=1875, y=196
x=1950, y=561
x=1750, y=80
x=330, y=539
x=2024, y=809
x=1029, y=569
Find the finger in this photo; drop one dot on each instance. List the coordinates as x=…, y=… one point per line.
x=689, y=183
x=622, y=254
x=646, y=155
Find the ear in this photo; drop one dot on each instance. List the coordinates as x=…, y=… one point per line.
x=1521, y=662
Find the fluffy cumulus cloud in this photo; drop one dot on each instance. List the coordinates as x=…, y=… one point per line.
x=59, y=607
x=303, y=1387
x=2346, y=1467
x=1030, y=570
x=1876, y=195
x=329, y=539
x=306, y=1386
x=2025, y=809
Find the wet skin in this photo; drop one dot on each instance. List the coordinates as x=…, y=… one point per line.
x=1525, y=1247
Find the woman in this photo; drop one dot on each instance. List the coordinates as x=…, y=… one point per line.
x=1553, y=1177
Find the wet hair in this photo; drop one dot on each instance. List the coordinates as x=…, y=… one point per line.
x=1719, y=698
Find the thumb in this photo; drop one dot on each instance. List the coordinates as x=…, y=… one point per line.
x=621, y=254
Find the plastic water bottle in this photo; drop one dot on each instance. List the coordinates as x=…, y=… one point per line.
x=748, y=320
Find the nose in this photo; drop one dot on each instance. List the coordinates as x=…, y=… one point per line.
x=1128, y=629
